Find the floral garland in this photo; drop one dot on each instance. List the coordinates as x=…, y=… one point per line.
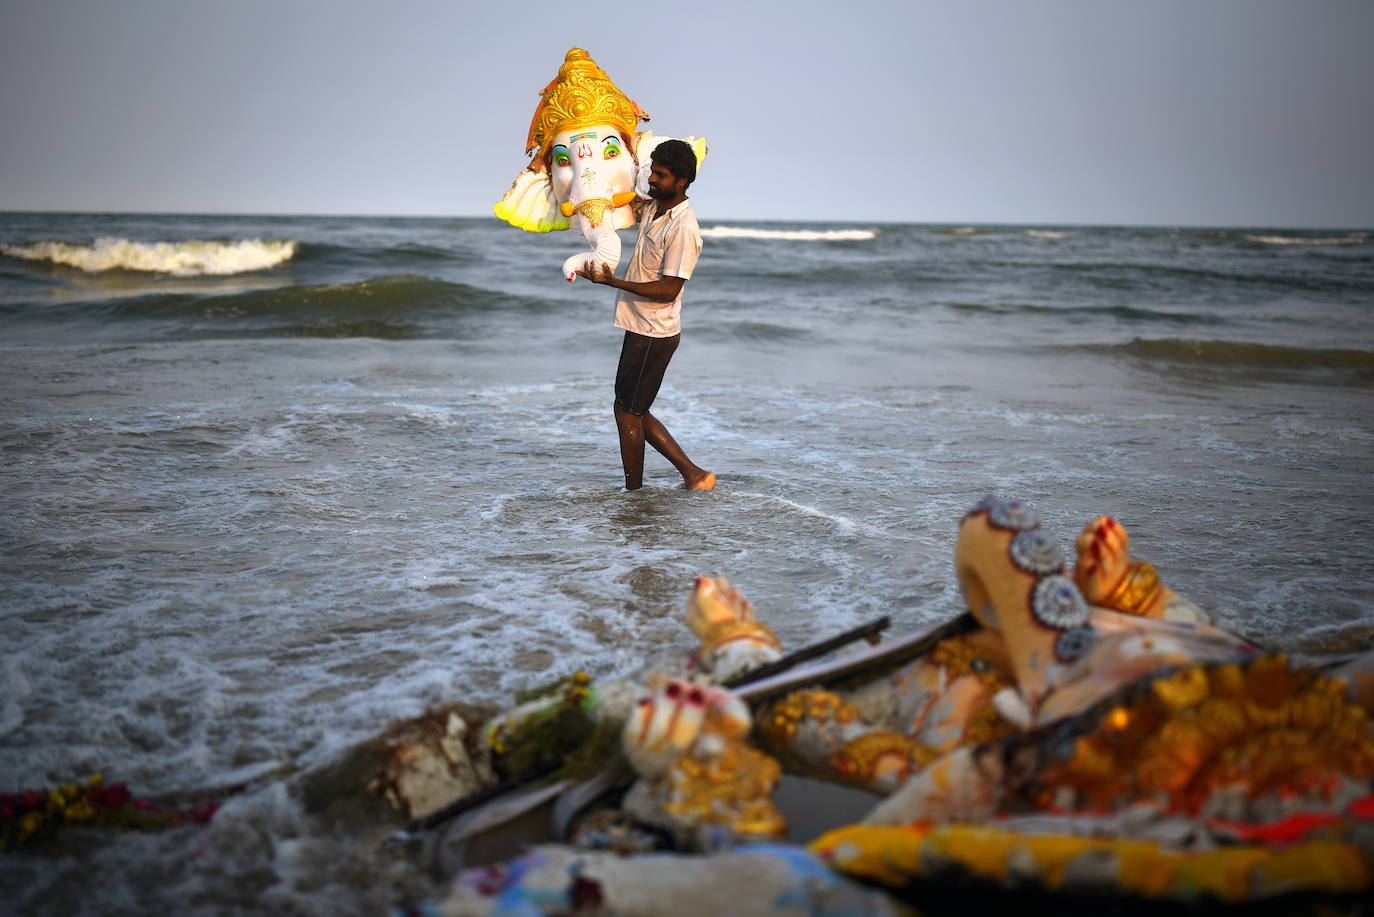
x=35, y=815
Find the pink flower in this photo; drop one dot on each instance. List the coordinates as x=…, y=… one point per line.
x=201, y=814
x=111, y=796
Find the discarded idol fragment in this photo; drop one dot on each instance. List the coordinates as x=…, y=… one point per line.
x=1081, y=731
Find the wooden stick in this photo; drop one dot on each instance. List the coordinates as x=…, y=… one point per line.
x=811, y=652
x=476, y=799
x=861, y=663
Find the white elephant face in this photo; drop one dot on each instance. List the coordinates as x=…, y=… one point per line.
x=592, y=162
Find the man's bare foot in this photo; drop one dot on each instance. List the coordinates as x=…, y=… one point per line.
x=705, y=482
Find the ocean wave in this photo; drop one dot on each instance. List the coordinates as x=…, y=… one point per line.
x=398, y=305
x=1049, y=234
x=1354, y=238
x=791, y=235
x=1243, y=353
x=1190, y=279
x=754, y=331
x=1124, y=313
x=180, y=259
x=393, y=307
x=388, y=294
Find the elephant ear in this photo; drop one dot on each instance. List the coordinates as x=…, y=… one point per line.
x=645, y=141
x=698, y=145
x=530, y=204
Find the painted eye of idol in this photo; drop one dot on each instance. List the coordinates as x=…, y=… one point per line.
x=560, y=156
x=610, y=148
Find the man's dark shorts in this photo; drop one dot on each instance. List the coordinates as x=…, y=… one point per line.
x=643, y=361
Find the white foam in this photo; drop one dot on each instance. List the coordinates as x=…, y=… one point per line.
x=498, y=507
x=1047, y=234
x=15, y=689
x=426, y=413
x=844, y=526
x=791, y=235
x=271, y=441
x=427, y=583
x=1354, y=238
x=180, y=259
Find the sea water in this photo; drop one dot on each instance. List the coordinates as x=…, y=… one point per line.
x=271, y=483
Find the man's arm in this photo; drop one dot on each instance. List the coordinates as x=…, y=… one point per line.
x=664, y=289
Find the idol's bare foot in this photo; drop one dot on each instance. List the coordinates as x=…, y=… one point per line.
x=706, y=481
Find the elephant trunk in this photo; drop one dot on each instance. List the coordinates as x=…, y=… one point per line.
x=599, y=231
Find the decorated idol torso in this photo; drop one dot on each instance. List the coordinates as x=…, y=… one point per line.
x=588, y=167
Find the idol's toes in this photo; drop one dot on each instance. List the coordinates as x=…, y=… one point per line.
x=714, y=599
x=680, y=719
x=688, y=741
x=663, y=726
x=1103, y=558
x=713, y=602
x=733, y=640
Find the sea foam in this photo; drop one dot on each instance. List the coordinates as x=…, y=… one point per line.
x=180, y=259
x=791, y=235
x=1354, y=238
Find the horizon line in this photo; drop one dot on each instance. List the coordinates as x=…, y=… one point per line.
x=720, y=220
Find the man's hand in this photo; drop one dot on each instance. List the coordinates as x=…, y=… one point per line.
x=664, y=289
x=598, y=273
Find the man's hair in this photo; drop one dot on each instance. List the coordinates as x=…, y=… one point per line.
x=677, y=157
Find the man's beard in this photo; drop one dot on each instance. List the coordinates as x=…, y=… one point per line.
x=660, y=194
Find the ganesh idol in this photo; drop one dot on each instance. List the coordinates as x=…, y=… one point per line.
x=588, y=166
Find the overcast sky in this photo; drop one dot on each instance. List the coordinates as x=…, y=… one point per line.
x=1164, y=112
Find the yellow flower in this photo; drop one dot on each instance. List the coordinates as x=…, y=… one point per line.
x=81, y=811
x=29, y=824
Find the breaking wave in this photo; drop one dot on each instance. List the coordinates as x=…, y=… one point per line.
x=1354, y=238
x=755, y=331
x=180, y=259
x=1238, y=353
x=393, y=307
x=1122, y=313
x=791, y=235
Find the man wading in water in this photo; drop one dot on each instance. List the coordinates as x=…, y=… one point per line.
x=648, y=307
